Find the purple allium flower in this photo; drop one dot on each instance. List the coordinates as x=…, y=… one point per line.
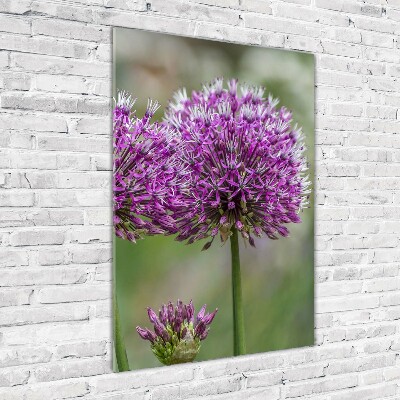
x=177, y=332
x=144, y=173
x=243, y=161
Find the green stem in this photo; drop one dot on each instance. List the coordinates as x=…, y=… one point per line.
x=239, y=347
x=120, y=352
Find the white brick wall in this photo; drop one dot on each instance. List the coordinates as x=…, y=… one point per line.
x=55, y=219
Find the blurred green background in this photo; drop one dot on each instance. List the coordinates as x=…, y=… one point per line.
x=277, y=276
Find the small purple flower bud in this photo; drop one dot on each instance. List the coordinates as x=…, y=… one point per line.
x=206, y=246
x=239, y=225
x=171, y=313
x=131, y=237
x=152, y=315
x=177, y=326
x=160, y=331
x=251, y=241
x=201, y=313
x=294, y=218
x=283, y=231
x=183, y=312
x=190, y=311
x=203, y=335
x=209, y=317
x=258, y=231
x=178, y=318
x=163, y=314
x=200, y=328
x=179, y=306
x=183, y=333
x=146, y=334
x=142, y=332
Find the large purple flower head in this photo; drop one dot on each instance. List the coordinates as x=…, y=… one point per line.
x=243, y=161
x=177, y=332
x=144, y=173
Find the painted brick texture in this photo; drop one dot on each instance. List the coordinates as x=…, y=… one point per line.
x=55, y=219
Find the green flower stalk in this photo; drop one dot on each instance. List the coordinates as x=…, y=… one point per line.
x=244, y=172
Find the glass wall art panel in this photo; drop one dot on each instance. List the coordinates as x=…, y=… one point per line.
x=213, y=170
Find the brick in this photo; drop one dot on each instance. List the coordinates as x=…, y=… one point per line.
x=257, y=6
x=349, y=366
x=103, y=273
x=90, y=235
x=367, y=393
x=27, y=102
x=210, y=387
x=46, y=46
x=330, y=289
x=64, y=12
x=341, y=49
x=56, y=256
x=9, y=377
x=97, y=126
x=358, y=302
x=59, y=65
x=70, y=84
x=71, y=30
x=11, y=139
x=378, y=40
x=19, y=7
x=14, y=25
x=66, y=198
x=271, y=393
x=34, y=238
x=344, y=6
x=99, y=216
x=50, y=217
x=102, y=162
x=22, y=355
x=24, y=199
x=57, y=390
x=36, y=315
x=81, y=349
x=73, y=293
x=73, y=162
x=16, y=81
x=176, y=374
x=90, y=255
x=13, y=258
x=97, y=145
x=324, y=385
x=339, y=79
x=27, y=277
x=15, y=297
x=391, y=374
x=53, y=334
x=351, y=110
x=33, y=122
x=70, y=369
x=264, y=379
